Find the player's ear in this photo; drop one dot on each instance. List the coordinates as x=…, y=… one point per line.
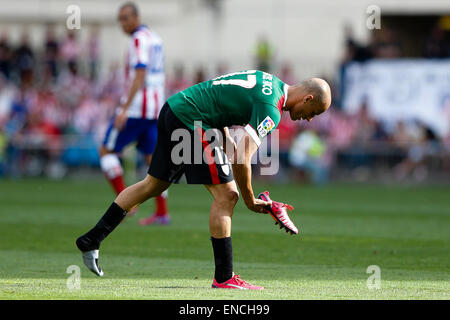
x=308, y=98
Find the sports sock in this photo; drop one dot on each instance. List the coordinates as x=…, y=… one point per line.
x=223, y=258
x=113, y=171
x=161, y=206
x=118, y=184
x=110, y=220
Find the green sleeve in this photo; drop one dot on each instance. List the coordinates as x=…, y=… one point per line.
x=264, y=119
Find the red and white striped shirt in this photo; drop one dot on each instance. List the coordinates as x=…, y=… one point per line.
x=145, y=50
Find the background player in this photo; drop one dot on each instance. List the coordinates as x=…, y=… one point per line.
x=251, y=98
x=137, y=117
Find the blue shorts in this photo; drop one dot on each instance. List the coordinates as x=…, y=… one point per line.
x=144, y=131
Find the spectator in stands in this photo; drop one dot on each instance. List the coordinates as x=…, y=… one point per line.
x=222, y=68
x=423, y=142
x=14, y=126
x=387, y=44
x=24, y=59
x=199, y=75
x=366, y=127
x=93, y=50
x=341, y=130
x=360, y=153
x=308, y=154
x=112, y=85
x=51, y=52
x=48, y=105
x=286, y=74
x=71, y=85
x=178, y=82
x=42, y=134
x=70, y=49
x=353, y=50
x=264, y=54
x=403, y=136
x=7, y=92
x=5, y=56
x=436, y=45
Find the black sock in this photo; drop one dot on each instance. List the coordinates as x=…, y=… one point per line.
x=110, y=220
x=223, y=258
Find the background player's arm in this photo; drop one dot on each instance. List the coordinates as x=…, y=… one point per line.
x=242, y=172
x=136, y=85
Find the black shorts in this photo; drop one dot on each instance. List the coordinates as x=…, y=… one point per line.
x=180, y=150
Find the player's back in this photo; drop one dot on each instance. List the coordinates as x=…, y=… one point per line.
x=231, y=99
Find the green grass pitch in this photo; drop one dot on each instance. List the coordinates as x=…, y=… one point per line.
x=344, y=229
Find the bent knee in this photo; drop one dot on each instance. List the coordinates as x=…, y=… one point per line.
x=229, y=197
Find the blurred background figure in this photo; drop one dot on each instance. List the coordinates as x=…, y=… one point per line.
x=178, y=82
x=308, y=154
x=135, y=121
x=420, y=144
x=51, y=53
x=264, y=54
x=436, y=44
x=24, y=58
x=199, y=75
x=93, y=50
x=5, y=55
x=287, y=74
x=70, y=48
x=386, y=44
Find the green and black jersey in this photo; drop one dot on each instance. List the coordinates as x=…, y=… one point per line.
x=249, y=98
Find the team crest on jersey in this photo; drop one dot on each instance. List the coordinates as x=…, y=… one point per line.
x=266, y=126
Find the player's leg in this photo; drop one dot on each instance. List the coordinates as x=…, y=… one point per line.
x=89, y=243
x=141, y=191
x=220, y=183
x=146, y=144
x=112, y=169
x=114, y=142
x=161, y=214
x=125, y=201
x=225, y=197
x=160, y=174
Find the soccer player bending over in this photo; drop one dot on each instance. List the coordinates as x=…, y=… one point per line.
x=251, y=98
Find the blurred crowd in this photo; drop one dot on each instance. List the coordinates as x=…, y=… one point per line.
x=54, y=109
x=53, y=105
x=386, y=43
x=362, y=147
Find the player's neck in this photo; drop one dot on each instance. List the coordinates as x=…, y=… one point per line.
x=293, y=95
x=291, y=98
x=136, y=27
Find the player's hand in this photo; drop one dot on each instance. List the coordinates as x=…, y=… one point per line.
x=120, y=120
x=259, y=206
